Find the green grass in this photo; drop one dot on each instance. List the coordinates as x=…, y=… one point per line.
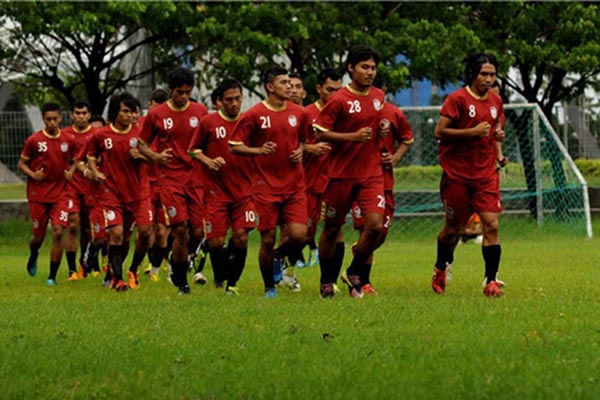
x=13, y=191
x=540, y=341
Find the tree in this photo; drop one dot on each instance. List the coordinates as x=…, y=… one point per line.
x=76, y=49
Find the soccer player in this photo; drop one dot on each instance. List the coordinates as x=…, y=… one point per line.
x=228, y=193
x=125, y=195
x=393, y=146
x=350, y=122
x=47, y=160
x=273, y=132
x=77, y=189
x=171, y=127
x=329, y=81
x=467, y=132
x=96, y=121
x=297, y=93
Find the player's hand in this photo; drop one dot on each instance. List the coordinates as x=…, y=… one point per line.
x=268, y=148
x=98, y=176
x=69, y=174
x=216, y=163
x=499, y=134
x=363, y=135
x=165, y=156
x=387, y=160
x=135, y=153
x=38, y=175
x=321, y=148
x=296, y=156
x=482, y=129
x=384, y=128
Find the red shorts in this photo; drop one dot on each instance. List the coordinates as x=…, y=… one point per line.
x=74, y=202
x=40, y=213
x=358, y=218
x=277, y=209
x=314, y=202
x=340, y=194
x=98, y=223
x=462, y=199
x=125, y=214
x=221, y=216
x=157, y=209
x=183, y=203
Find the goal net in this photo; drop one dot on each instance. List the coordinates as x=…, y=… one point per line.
x=541, y=186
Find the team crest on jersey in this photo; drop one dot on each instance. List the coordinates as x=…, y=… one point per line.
x=172, y=211
x=194, y=122
x=64, y=147
x=377, y=104
x=330, y=213
x=494, y=112
x=110, y=215
x=133, y=143
x=292, y=120
x=35, y=223
x=208, y=227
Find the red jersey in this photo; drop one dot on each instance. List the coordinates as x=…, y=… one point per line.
x=346, y=112
x=470, y=158
x=315, y=167
x=231, y=183
x=125, y=176
x=79, y=184
x=274, y=173
x=53, y=155
x=400, y=132
x=167, y=127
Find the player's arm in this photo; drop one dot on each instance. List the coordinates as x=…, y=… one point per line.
x=395, y=158
x=71, y=170
x=136, y=154
x=362, y=135
x=296, y=155
x=240, y=148
x=161, y=158
x=214, y=164
x=23, y=166
x=445, y=129
x=318, y=149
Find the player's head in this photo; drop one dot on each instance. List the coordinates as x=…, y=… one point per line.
x=496, y=87
x=181, y=83
x=214, y=99
x=480, y=71
x=298, y=93
x=229, y=95
x=138, y=111
x=121, y=108
x=329, y=81
x=158, y=96
x=361, y=65
x=277, y=82
x=51, y=118
x=97, y=121
x=81, y=111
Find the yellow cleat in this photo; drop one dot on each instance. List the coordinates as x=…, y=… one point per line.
x=133, y=280
x=154, y=277
x=73, y=276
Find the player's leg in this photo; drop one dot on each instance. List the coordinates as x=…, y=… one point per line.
x=116, y=256
x=238, y=250
x=265, y=260
x=39, y=214
x=55, y=252
x=71, y=244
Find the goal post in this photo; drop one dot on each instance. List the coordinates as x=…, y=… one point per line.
x=541, y=186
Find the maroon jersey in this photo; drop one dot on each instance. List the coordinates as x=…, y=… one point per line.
x=53, y=155
x=315, y=167
x=125, y=176
x=168, y=127
x=346, y=112
x=400, y=132
x=232, y=181
x=470, y=158
x=274, y=173
x=79, y=184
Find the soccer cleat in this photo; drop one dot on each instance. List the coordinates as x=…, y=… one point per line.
x=300, y=264
x=148, y=270
x=95, y=274
x=271, y=293
x=498, y=281
x=492, y=289
x=32, y=267
x=277, y=270
x=291, y=283
x=232, y=291
x=438, y=281
x=369, y=290
x=219, y=284
x=184, y=290
x=199, y=278
x=449, y=271
x=134, y=283
x=154, y=277
x=104, y=262
x=327, y=291
x=120, y=286
x=82, y=272
x=336, y=289
x=73, y=276
x=313, y=258
x=353, y=283
x=50, y=282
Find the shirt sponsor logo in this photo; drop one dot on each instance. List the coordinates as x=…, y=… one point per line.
x=133, y=143
x=172, y=211
x=292, y=120
x=494, y=112
x=64, y=147
x=194, y=122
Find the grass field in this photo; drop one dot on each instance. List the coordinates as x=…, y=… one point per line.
x=540, y=341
